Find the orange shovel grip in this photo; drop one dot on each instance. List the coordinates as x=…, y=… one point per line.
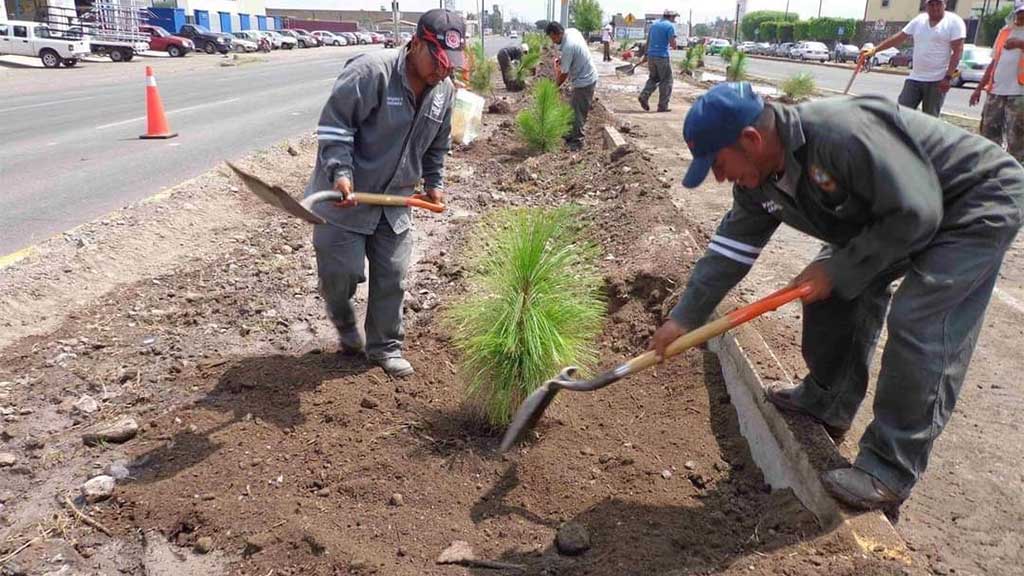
x=768, y=303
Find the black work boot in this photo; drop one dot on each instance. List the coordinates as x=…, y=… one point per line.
x=644, y=104
x=350, y=341
x=783, y=397
x=858, y=489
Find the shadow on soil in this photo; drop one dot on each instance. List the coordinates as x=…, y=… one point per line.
x=265, y=389
x=737, y=517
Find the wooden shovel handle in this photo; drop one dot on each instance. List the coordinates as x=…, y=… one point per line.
x=414, y=201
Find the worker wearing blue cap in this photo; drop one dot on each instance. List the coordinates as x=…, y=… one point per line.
x=895, y=194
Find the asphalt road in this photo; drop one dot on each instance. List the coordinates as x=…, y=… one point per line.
x=888, y=85
x=69, y=156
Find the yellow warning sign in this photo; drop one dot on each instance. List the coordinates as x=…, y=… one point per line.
x=630, y=19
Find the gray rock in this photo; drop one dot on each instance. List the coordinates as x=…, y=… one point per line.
x=6, y=496
x=118, y=470
x=7, y=459
x=666, y=474
x=368, y=402
x=87, y=405
x=572, y=539
x=256, y=542
x=121, y=430
x=34, y=443
x=396, y=499
x=204, y=545
x=127, y=375
x=98, y=489
x=458, y=552
x=690, y=465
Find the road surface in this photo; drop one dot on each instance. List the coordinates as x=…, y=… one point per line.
x=888, y=85
x=73, y=154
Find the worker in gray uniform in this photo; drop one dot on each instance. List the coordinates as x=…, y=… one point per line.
x=386, y=124
x=895, y=194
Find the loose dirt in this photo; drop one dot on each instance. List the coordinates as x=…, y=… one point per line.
x=267, y=451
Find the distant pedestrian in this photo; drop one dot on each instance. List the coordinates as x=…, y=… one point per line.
x=1002, y=118
x=508, y=58
x=574, y=64
x=660, y=37
x=938, y=44
x=606, y=41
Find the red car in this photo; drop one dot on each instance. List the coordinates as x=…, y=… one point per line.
x=904, y=58
x=161, y=40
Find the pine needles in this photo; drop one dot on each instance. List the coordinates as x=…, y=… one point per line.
x=543, y=124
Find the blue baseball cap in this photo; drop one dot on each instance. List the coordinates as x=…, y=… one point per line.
x=715, y=122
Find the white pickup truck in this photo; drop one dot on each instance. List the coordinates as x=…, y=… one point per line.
x=23, y=38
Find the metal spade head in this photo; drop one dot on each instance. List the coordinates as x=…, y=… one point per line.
x=533, y=407
x=275, y=196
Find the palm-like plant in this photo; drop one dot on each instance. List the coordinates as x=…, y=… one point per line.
x=547, y=119
x=534, y=305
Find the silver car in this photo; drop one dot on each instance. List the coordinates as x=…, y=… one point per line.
x=972, y=64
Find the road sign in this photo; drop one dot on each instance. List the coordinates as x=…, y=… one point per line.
x=879, y=24
x=841, y=31
x=630, y=19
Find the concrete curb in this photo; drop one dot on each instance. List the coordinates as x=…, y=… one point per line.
x=877, y=69
x=783, y=458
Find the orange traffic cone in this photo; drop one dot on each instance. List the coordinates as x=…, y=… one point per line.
x=155, y=118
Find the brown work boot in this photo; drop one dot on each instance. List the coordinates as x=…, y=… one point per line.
x=350, y=341
x=782, y=396
x=858, y=489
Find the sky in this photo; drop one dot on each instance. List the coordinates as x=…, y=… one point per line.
x=532, y=10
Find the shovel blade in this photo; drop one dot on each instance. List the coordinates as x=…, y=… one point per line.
x=528, y=414
x=625, y=69
x=275, y=196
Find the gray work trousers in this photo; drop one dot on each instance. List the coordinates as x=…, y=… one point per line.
x=925, y=94
x=659, y=75
x=582, y=98
x=341, y=257
x=934, y=320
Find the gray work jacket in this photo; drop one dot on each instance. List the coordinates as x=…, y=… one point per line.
x=874, y=180
x=372, y=132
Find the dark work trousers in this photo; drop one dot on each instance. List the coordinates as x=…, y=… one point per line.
x=341, y=257
x=582, y=98
x=659, y=75
x=934, y=320
x=925, y=94
x=607, y=51
x=505, y=65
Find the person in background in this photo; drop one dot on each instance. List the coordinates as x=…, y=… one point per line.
x=660, y=38
x=606, y=42
x=508, y=57
x=377, y=96
x=938, y=44
x=1002, y=118
x=574, y=64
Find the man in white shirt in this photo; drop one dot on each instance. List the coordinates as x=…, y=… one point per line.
x=606, y=41
x=938, y=44
x=1002, y=118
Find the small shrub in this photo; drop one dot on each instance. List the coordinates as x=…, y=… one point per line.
x=527, y=64
x=799, y=87
x=481, y=69
x=534, y=305
x=694, y=59
x=736, y=71
x=726, y=54
x=547, y=119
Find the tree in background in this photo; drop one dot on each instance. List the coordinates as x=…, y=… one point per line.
x=827, y=29
x=585, y=16
x=785, y=32
x=495, y=22
x=768, y=32
x=541, y=24
x=753, y=20
x=992, y=24
x=701, y=30
x=802, y=31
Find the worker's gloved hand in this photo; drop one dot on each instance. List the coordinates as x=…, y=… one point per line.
x=976, y=96
x=865, y=56
x=436, y=195
x=344, y=185
x=817, y=276
x=665, y=335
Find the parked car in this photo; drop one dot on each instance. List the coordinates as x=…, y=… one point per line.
x=845, y=53
x=364, y=37
x=745, y=46
x=811, y=51
x=160, y=40
x=782, y=50
x=882, y=58
x=762, y=48
x=904, y=58
x=23, y=38
x=377, y=37
x=972, y=65
x=302, y=37
x=285, y=42
x=239, y=43
x=716, y=45
x=203, y=39
x=351, y=37
x=330, y=38
x=513, y=34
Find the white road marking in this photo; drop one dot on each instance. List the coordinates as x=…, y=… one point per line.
x=41, y=104
x=1010, y=300
x=188, y=109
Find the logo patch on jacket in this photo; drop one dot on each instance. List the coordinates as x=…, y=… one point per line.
x=437, y=106
x=395, y=101
x=771, y=206
x=822, y=179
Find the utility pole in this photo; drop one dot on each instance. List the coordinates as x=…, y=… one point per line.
x=786, y=17
x=565, y=14
x=819, y=7
x=395, y=17
x=690, y=33
x=736, y=26
x=482, y=26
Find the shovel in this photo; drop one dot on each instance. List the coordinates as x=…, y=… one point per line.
x=627, y=69
x=535, y=404
x=276, y=196
x=856, y=70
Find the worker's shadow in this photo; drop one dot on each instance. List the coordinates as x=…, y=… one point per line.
x=263, y=389
x=735, y=517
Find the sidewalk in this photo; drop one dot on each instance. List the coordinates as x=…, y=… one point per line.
x=966, y=513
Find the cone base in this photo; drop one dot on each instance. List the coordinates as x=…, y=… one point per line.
x=158, y=136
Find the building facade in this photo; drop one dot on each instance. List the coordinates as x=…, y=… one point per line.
x=906, y=10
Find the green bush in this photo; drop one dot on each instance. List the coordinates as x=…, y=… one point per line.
x=752, y=22
x=534, y=305
x=726, y=54
x=799, y=87
x=736, y=71
x=481, y=70
x=547, y=119
x=527, y=64
x=694, y=59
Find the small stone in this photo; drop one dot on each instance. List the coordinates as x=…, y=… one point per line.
x=256, y=542
x=572, y=539
x=722, y=466
x=401, y=552
x=34, y=443
x=396, y=499
x=697, y=480
x=87, y=405
x=666, y=474
x=119, y=431
x=204, y=545
x=587, y=451
x=118, y=470
x=127, y=375
x=7, y=459
x=368, y=402
x=457, y=552
x=690, y=465
x=207, y=497
x=6, y=496
x=605, y=458
x=292, y=151
x=323, y=492
x=98, y=489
